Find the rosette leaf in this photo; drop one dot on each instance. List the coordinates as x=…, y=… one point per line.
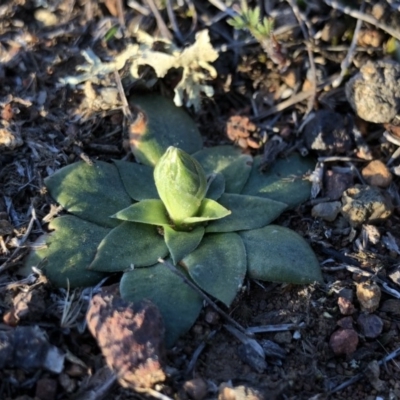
x=92, y=192
x=179, y=304
x=67, y=251
x=278, y=254
x=283, y=181
x=163, y=124
x=129, y=245
x=218, y=265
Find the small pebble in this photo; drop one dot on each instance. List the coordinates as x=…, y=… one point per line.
x=346, y=306
x=9, y=140
x=369, y=296
x=212, y=317
x=196, y=388
x=335, y=183
x=327, y=133
x=374, y=93
x=363, y=203
x=242, y=392
x=372, y=373
x=67, y=383
x=283, y=337
x=345, y=322
x=327, y=211
x=376, y=173
x=46, y=389
x=344, y=341
x=370, y=325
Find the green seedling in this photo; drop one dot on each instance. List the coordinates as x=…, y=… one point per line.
x=206, y=210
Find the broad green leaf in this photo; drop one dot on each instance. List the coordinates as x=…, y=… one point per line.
x=150, y=211
x=181, y=243
x=283, y=181
x=248, y=212
x=218, y=265
x=92, y=192
x=278, y=254
x=138, y=180
x=230, y=162
x=167, y=125
x=216, y=186
x=178, y=303
x=129, y=245
x=68, y=251
x=209, y=210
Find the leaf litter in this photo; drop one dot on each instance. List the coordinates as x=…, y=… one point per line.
x=43, y=129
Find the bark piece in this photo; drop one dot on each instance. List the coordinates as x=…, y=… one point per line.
x=130, y=337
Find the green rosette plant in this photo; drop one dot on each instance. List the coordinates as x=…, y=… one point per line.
x=208, y=213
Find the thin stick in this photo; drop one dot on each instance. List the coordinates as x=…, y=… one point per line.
x=297, y=98
x=357, y=377
x=344, y=65
x=125, y=106
x=121, y=17
x=364, y=17
x=160, y=22
x=172, y=20
x=173, y=269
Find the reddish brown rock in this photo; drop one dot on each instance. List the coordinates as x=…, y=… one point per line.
x=376, y=173
x=344, y=341
x=130, y=337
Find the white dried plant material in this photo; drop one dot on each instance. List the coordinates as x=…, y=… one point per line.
x=195, y=63
x=95, y=68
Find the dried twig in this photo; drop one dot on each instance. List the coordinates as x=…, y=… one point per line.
x=364, y=17
x=359, y=376
x=172, y=20
x=307, y=33
x=297, y=98
x=344, y=65
x=160, y=22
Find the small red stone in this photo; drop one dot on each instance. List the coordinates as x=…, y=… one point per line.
x=344, y=341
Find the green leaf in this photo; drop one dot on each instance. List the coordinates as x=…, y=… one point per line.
x=138, y=180
x=216, y=186
x=67, y=252
x=282, y=181
x=167, y=125
x=149, y=211
x=129, y=244
x=92, y=192
x=181, y=243
x=278, y=254
x=230, y=162
x=248, y=212
x=178, y=303
x=218, y=265
x=209, y=210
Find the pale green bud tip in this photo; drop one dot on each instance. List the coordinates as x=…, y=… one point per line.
x=181, y=183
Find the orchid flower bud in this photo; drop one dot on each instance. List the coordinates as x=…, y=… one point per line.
x=181, y=184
